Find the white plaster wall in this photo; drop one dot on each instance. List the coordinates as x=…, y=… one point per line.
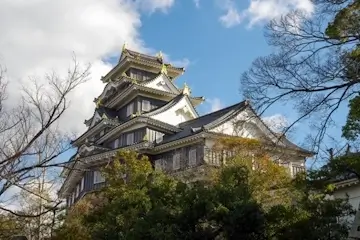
x=173, y=116
x=354, y=196
x=161, y=83
x=241, y=125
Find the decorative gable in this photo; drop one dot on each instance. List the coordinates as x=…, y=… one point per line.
x=95, y=119
x=180, y=112
x=244, y=124
x=163, y=83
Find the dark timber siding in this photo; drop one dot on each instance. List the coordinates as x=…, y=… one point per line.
x=140, y=74
x=154, y=103
x=139, y=135
x=167, y=157
x=184, y=157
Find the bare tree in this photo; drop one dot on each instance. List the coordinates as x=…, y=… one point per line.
x=315, y=66
x=30, y=138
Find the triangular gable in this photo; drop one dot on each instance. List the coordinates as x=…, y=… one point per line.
x=110, y=86
x=95, y=119
x=176, y=111
x=243, y=123
x=163, y=83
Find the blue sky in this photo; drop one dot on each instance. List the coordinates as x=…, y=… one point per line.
x=218, y=54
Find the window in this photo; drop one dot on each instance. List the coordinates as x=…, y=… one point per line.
x=129, y=138
x=82, y=184
x=77, y=190
x=146, y=105
x=192, y=157
x=158, y=164
x=129, y=109
x=115, y=144
x=176, y=161
x=98, y=178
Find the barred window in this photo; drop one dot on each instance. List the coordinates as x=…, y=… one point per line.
x=176, y=161
x=146, y=106
x=129, y=109
x=98, y=178
x=129, y=138
x=82, y=183
x=192, y=157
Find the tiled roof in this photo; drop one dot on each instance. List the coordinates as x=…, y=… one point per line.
x=135, y=54
x=149, y=58
x=198, y=124
x=110, y=113
x=166, y=107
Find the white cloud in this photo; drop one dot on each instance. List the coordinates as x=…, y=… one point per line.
x=197, y=3
x=41, y=35
x=232, y=16
x=215, y=104
x=276, y=122
x=263, y=10
x=153, y=5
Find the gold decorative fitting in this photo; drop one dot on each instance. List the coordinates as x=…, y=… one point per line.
x=159, y=56
x=104, y=116
x=124, y=46
x=124, y=74
x=164, y=69
x=98, y=103
x=186, y=90
x=146, y=138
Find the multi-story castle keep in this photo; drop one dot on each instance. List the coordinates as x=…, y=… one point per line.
x=141, y=109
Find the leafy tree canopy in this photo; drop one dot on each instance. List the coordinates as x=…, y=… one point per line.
x=237, y=201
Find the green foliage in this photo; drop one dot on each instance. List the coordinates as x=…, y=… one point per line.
x=351, y=130
x=139, y=203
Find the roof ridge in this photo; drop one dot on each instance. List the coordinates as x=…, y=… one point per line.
x=167, y=105
x=141, y=54
x=212, y=113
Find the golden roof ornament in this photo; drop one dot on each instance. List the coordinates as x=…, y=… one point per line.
x=186, y=90
x=124, y=46
x=98, y=103
x=159, y=56
x=104, y=116
x=164, y=69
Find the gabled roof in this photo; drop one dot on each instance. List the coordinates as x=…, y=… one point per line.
x=102, y=112
x=166, y=127
x=214, y=119
x=145, y=89
x=147, y=58
x=169, y=83
x=172, y=103
x=199, y=124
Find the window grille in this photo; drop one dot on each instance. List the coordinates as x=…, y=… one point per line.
x=176, y=161
x=98, y=178
x=192, y=157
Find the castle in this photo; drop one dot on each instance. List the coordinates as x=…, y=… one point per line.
x=142, y=109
